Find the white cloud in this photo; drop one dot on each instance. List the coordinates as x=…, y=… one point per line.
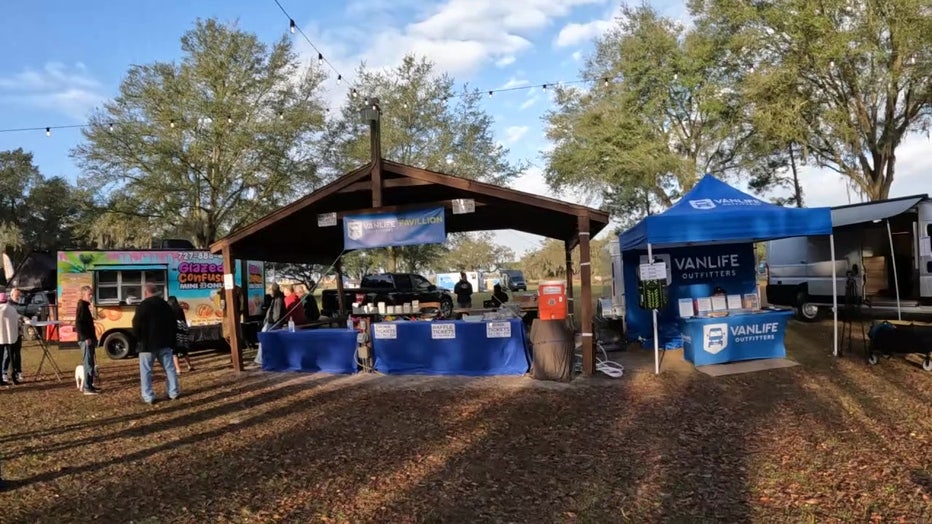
x=577, y=56
x=575, y=34
x=56, y=87
x=515, y=133
x=460, y=36
x=824, y=187
x=512, y=83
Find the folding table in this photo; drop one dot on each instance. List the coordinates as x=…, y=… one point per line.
x=35, y=325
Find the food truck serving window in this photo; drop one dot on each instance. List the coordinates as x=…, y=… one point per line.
x=125, y=285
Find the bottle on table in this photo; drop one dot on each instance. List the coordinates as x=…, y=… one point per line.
x=291, y=325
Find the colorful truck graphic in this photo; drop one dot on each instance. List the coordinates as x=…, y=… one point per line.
x=118, y=277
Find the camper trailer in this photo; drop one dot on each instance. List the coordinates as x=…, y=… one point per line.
x=883, y=260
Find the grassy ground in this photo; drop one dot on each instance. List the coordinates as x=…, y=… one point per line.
x=827, y=441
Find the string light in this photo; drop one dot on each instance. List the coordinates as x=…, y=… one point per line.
x=354, y=93
x=339, y=78
x=293, y=27
x=605, y=81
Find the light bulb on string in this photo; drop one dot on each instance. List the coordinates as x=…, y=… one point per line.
x=339, y=78
x=48, y=131
x=281, y=115
x=404, y=105
x=605, y=81
x=110, y=127
x=353, y=94
x=320, y=58
x=544, y=87
x=229, y=119
x=490, y=94
x=171, y=123
x=292, y=26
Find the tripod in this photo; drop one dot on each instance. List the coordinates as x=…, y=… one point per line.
x=853, y=313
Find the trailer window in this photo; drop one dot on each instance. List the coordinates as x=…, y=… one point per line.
x=125, y=286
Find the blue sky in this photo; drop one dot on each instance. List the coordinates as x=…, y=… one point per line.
x=69, y=56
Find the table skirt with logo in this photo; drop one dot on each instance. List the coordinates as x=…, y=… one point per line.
x=736, y=337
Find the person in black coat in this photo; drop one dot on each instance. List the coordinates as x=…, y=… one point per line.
x=499, y=297
x=87, y=338
x=155, y=329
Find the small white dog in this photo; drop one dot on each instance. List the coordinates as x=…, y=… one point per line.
x=79, y=376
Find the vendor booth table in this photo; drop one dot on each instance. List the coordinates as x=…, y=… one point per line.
x=736, y=337
x=312, y=350
x=489, y=347
x=708, y=226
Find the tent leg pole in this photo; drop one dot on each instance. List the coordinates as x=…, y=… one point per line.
x=896, y=281
x=831, y=241
x=650, y=260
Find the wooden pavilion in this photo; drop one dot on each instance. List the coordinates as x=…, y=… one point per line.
x=292, y=235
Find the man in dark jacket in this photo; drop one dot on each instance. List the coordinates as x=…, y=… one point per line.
x=154, y=327
x=87, y=338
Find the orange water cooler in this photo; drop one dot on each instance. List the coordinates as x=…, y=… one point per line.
x=551, y=302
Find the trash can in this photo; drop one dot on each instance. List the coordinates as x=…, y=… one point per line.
x=551, y=302
x=552, y=347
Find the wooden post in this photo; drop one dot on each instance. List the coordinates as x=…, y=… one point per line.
x=570, y=307
x=232, y=309
x=585, y=309
x=340, y=300
x=375, y=136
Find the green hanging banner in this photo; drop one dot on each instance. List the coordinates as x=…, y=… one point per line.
x=652, y=294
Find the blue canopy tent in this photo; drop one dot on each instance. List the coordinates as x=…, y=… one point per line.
x=713, y=212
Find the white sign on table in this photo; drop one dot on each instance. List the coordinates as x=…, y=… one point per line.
x=498, y=330
x=386, y=331
x=443, y=330
x=655, y=271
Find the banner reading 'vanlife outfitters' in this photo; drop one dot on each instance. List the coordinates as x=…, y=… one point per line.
x=405, y=228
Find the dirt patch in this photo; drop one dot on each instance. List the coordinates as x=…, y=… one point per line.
x=831, y=440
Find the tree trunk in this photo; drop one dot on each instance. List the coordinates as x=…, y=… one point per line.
x=798, y=190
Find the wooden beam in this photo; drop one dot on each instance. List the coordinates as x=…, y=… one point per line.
x=283, y=212
x=386, y=183
x=232, y=309
x=570, y=310
x=494, y=191
x=376, y=138
x=338, y=266
x=585, y=309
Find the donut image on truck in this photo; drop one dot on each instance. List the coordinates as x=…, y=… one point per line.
x=194, y=277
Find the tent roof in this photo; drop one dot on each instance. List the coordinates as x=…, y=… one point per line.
x=291, y=233
x=37, y=272
x=870, y=211
x=715, y=212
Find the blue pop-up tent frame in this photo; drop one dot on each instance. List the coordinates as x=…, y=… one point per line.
x=713, y=212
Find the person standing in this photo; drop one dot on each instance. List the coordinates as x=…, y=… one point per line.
x=87, y=337
x=463, y=291
x=155, y=327
x=293, y=306
x=182, y=345
x=13, y=359
x=499, y=297
x=273, y=315
x=9, y=328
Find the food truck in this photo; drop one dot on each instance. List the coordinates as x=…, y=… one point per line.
x=194, y=277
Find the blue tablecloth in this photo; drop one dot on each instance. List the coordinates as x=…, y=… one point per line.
x=327, y=350
x=450, y=348
x=739, y=336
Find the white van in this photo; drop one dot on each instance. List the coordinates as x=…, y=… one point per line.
x=883, y=256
